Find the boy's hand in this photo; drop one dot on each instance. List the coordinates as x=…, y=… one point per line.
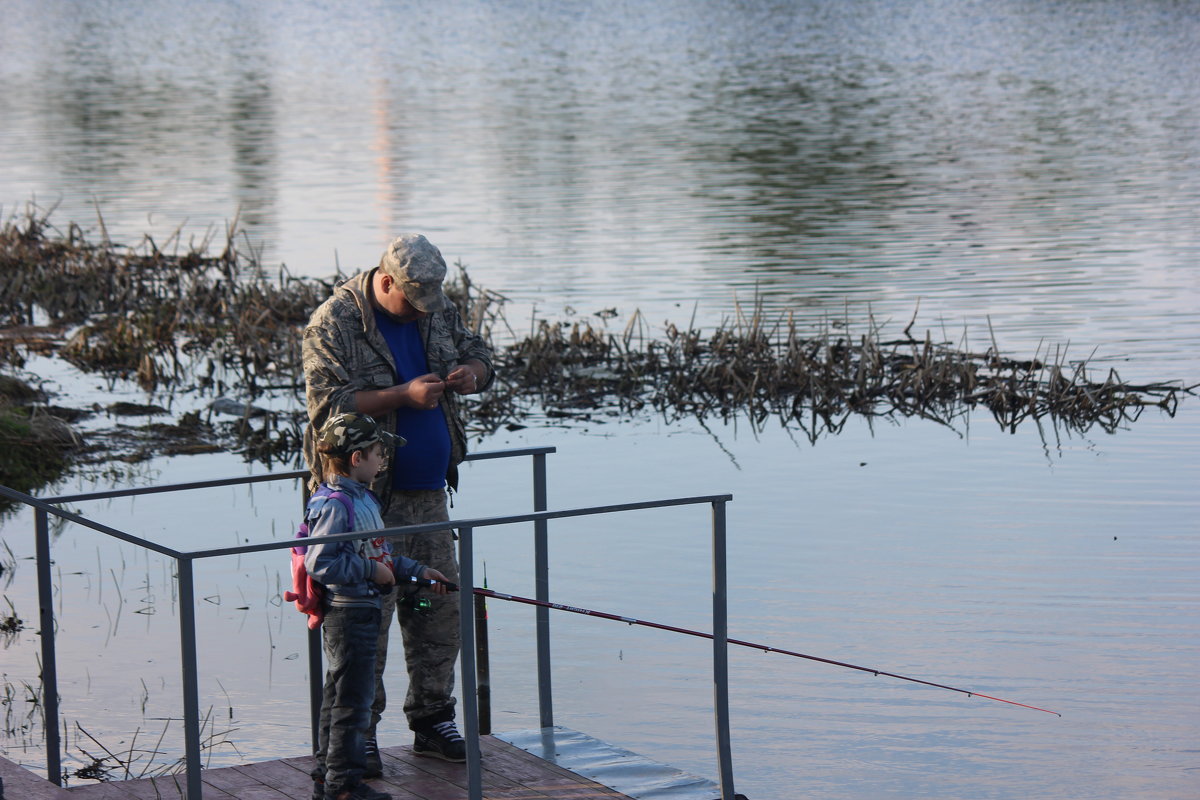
x=431, y=574
x=383, y=574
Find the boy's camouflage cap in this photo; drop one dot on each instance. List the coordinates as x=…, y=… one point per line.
x=342, y=434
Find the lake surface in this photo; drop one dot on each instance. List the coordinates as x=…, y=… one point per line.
x=1035, y=165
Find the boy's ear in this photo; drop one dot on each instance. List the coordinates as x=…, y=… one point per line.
x=356, y=458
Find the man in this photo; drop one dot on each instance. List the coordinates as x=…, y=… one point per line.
x=390, y=344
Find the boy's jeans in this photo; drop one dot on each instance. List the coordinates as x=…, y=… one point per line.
x=350, y=637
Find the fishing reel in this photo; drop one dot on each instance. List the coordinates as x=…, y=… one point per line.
x=415, y=603
x=411, y=598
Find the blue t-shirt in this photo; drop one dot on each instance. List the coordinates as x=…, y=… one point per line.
x=423, y=462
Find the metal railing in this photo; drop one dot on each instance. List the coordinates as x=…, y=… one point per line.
x=540, y=517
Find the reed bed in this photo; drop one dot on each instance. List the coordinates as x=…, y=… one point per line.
x=157, y=314
x=175, y=318
x=760, y=370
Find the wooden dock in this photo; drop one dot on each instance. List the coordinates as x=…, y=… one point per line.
x=509, y=773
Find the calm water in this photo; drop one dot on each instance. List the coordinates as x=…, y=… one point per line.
x=1035, y=164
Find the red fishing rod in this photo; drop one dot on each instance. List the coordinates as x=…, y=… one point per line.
x=752, y=645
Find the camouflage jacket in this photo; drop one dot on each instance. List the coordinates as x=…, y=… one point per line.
x=345, y=353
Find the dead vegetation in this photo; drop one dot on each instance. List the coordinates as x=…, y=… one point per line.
x=179, y=320
x=760, y=370
x=159, y=314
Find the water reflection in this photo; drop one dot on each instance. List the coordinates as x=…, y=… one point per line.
x=142, y=122
x=255, y=154
x=998, y=161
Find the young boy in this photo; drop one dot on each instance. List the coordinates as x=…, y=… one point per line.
x=353, y=450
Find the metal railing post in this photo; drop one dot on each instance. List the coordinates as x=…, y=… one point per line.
x=49, y=659
x=466, y=607
x=191, y=689
x=316, y=666
x=541, y=561
x=721, y=651
x=316, y=685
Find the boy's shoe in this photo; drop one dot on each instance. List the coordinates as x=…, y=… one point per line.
x=373, y=760
x=440, y=740
x=360, y=792
x=318, y=789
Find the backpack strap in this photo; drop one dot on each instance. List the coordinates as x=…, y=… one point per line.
x=345, y=499
x=324, y=491
x=349, y=504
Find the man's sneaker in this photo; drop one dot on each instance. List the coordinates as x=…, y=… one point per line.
x=440, y=740
x=360, y=792
x=373, y=761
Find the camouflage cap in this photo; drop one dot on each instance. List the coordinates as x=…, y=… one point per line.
x=342, y=434
x=419, y=268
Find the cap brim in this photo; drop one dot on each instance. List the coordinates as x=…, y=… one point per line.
x=391, y=439
x=425, y=299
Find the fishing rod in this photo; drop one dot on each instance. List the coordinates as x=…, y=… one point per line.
x=752, y=645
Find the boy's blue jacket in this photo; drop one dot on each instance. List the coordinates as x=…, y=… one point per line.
x=345, y=568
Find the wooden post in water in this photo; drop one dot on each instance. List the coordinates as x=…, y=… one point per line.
x=49, y=658
x=483, y=672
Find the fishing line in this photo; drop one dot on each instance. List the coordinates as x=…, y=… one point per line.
x=753, y=646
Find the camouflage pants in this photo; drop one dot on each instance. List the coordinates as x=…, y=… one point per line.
x=431, y=636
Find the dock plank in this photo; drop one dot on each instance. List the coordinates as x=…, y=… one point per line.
x=18, y=782
x=104, y=791
x=509, y=773
x=236, y=782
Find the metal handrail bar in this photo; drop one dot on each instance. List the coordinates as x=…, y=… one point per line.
x=272, y=476
x=540, y=450
x=178, y=487
x=46, y=507
x=425, y=527
x=478, y=522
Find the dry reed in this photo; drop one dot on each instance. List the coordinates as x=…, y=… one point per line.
x=757, y=369
x=177, y=318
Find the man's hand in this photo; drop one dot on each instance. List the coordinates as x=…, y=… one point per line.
x=424, y=391
x=383, y=574
x=463, y=379
x=431, y=574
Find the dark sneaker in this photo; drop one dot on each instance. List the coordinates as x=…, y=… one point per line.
x=440, y=740
x=360, y=792
x=373, y=760
x=318, y=789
